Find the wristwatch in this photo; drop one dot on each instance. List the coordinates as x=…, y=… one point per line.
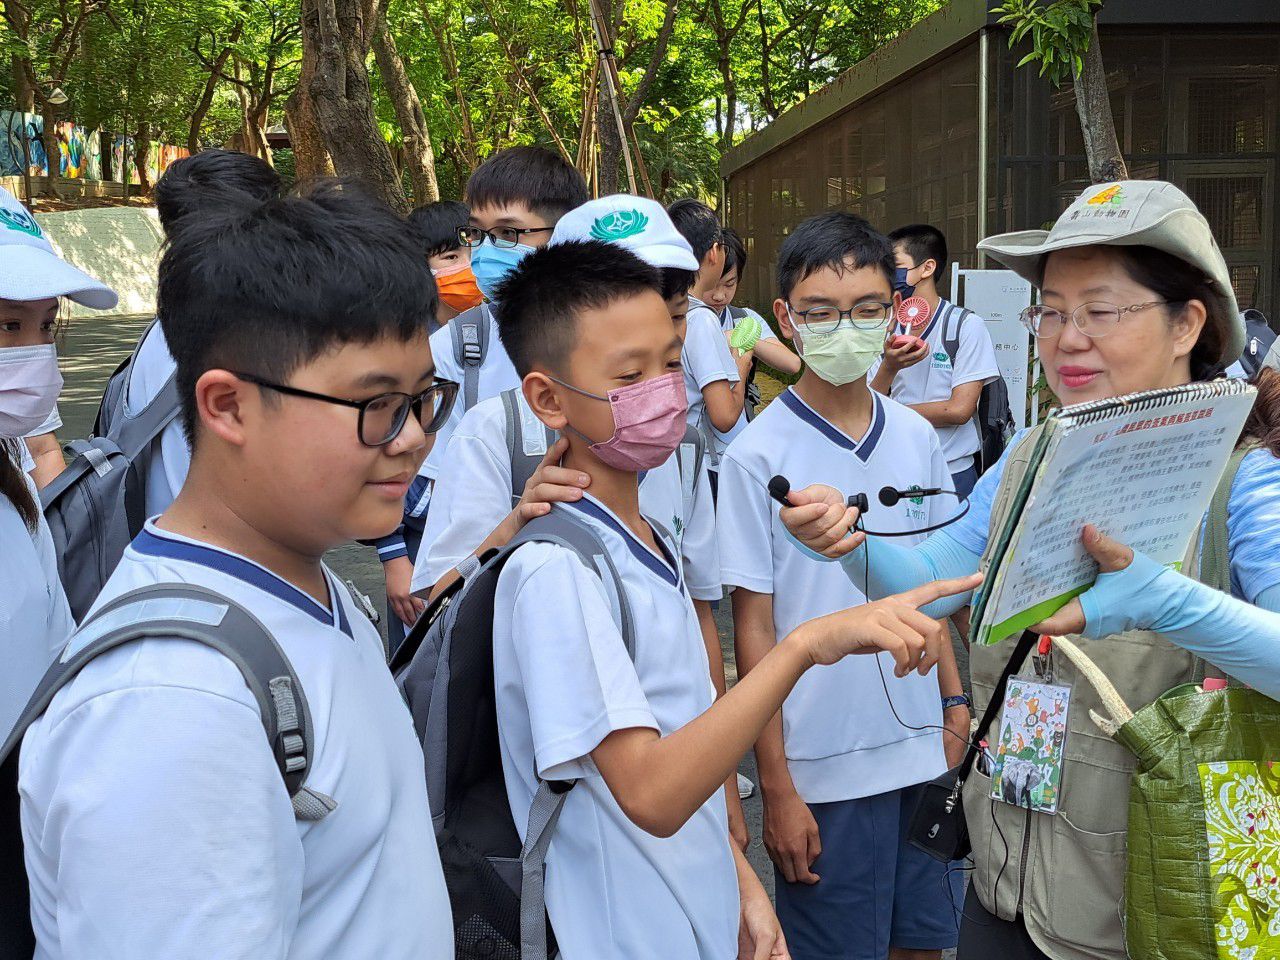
x=960, y=700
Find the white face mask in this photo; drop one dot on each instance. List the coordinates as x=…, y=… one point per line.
x=30, y=382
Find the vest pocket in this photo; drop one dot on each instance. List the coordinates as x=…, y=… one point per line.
x=1087, y=909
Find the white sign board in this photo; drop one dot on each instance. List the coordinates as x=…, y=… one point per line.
x=999, y=296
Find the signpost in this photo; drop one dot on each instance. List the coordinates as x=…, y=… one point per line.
x=999, y=296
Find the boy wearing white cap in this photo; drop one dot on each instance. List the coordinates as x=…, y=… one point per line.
x=34, y=618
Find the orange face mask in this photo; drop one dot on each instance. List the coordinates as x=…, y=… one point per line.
x=457, y=286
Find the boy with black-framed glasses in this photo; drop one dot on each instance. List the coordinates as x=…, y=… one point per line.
x=155, y=818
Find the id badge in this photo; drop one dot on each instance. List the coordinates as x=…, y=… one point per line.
x=1029, y=752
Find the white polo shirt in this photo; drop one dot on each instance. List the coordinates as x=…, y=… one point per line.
x=473, y=494
x=171, y=459
x=934, y=377
x=840, y=735
x=35, y=620
x=564, y=682
x=706, y=357
x=727, y=324
x=496, y=373
x=156, y=821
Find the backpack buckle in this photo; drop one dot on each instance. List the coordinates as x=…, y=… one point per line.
x=471, y=354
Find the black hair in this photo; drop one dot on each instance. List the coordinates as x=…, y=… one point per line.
x=735, y=252
x=676, y=281
x=267, y=288
x=543, y=181
x=437, y=225
x=923, y=242
x=697, y=223
x=209, y=179
x=832, y=240
x=539, y=302
x=13, y=484
x=1175, y=282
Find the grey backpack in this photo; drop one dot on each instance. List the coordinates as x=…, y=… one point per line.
x=444, y=668
x=162, y=610
x=529, y=439
x=994, y=416
x=752, y=398
x=470, y=333
x=97, y=505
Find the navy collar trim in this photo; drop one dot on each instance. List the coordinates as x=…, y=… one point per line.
x=943, y=309
x=668, y=571
x=863, y=448
x=153, y=544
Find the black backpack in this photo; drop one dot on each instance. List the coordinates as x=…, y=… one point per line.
x=162, y=610
x=994, y=416
x=1259, y=338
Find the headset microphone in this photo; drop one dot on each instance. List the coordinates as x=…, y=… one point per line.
x=890, y=497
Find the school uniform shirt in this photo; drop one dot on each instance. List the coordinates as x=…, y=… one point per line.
x=706, y=357
x=934, y=377
x=563, y=683
x=496, y=374
x=841, y=738
x=727, y=324
x=473, y=494
x=171, y=458
x=35, y=620
x=155, y=818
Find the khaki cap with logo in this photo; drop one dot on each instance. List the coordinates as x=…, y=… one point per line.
x=1134, y=213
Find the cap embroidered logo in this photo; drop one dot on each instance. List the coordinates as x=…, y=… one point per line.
x=21, y=221
x=1113, y=195
x=619, y=225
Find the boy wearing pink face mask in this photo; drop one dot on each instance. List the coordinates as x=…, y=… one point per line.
x=640, y=864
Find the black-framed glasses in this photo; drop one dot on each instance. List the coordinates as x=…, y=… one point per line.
x=384, y=416
x=1095, y=319
x=505, y=237
x=826, y=318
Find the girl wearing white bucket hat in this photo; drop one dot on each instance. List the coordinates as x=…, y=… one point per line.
x=1135, y=296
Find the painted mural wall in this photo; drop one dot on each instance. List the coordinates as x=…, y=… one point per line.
x=79, y=151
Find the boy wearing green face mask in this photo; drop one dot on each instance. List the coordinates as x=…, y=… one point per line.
x=840, y=772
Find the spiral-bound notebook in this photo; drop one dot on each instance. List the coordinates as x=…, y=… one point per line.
x=1142, y=468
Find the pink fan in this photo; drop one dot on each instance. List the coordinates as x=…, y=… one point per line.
x=912, y=312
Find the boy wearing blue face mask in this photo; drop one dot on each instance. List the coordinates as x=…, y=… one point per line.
x=839, y=771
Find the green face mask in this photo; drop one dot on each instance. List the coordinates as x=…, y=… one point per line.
x=841, y=356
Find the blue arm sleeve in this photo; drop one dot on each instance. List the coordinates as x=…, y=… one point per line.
x=893, y=568
x=1239, y=638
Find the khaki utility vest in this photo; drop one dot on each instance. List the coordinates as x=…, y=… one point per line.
x=1065, y=874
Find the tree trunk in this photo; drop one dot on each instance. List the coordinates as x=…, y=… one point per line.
x=1093, y=104
x=141, y=156
x=339, y=33
x=53, y=156
x=24, y=97
x=203, y=105
x=310, y=156
x=419, y=157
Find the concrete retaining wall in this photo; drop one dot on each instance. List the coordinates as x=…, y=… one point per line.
x=118, y=245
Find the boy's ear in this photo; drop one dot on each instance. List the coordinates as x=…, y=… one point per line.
x=223, y=403
x=715, y=256
x=783, y=316
x=541, y=395
x=928, y=268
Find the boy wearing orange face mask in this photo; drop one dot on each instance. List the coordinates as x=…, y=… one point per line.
x=437, y=224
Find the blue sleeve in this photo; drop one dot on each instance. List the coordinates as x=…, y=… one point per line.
x=1237, y=637
x=971, y=530
x=1253, y=526
x=893, y=569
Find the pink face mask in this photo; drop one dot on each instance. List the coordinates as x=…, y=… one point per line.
x=648, y=422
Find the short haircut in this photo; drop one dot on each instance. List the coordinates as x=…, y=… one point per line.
x=437, y=225
x=697, y=223
x=735, y=251
x=543, y=181
x=676, y=281
x=832, y=240
x=205, y=181
x=539, y=304
x=923, y=242
x=267, y=288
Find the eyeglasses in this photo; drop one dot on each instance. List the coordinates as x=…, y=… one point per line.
x=825, y=318
x=505, y=237
x=384, y=416
x=1096, y=319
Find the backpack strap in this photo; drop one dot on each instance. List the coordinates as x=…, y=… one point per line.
x=205, y=616
x=737, y=313
x=689, y=458
x=470, y=333
x=952, y=324
x=1214, y=566
x=528, y=440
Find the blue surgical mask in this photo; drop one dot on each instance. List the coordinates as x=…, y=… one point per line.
x=900, y=284
x=491, y=264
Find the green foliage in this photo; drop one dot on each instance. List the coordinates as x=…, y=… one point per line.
x=1060, y=32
